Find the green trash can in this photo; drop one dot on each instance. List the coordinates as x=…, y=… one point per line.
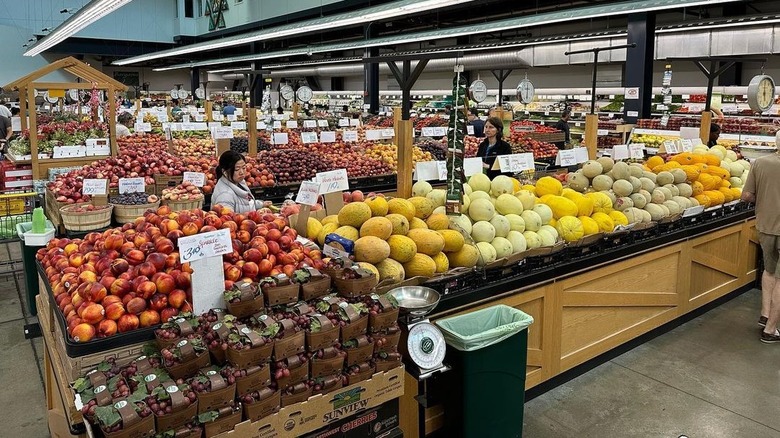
x=488, y=355
x=31, y=243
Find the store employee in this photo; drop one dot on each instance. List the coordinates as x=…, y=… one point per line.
x=563, y=125
x=493, y=146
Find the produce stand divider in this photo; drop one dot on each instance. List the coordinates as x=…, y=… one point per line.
x=252, y=121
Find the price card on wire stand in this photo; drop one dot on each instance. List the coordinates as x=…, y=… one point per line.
x=322, y=123
x=472, y=166
x=94, y=187
x=333, y=181
x=350, y=135
x=620, y=152
x=131, y=185
x=292, y=124
x=309, y=193
x=308, y=137
x=582, y=154
x=671, y=147
x=343, y=122
x=309, y=123
x=328, y=136
x=200, y=246
x=566, y=158
x=277, y=124
x=221, y=132
x=197, y=179
x=687, y=145
x=426, y=171
x=515, y=162
x=636, y=151
x=280, y=138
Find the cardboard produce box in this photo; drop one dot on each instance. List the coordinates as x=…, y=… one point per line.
x=371, y=423
x=320, y=410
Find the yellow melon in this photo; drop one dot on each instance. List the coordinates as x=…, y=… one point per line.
x=377, y=204
x=400, y=224
x=466, y=257
x=421, y=265
x=389, y=268
x=453, y=240
x=354, y=214
x=423, y=207
x=402, y=248
x=401, y=206
x=442, y=262
x=416, y=223
x=348, y=232
x=438, y=221
x=605, y=222
x=326, y=229
x=548, y=185
x=380, y=227
x=428, y=242
x=313, y=228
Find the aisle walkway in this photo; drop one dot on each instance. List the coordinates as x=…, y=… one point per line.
x=708, y=378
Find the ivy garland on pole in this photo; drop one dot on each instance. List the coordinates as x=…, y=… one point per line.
x=456, y=148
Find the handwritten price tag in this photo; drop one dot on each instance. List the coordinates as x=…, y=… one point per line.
x=373, y=134
x=567, y=157
x=200, y=246
x=328, y=136
x=354, y=122
x=388, y=133
x=261, y=125
x=280, y=138
x=322, y=123
x=582, y=154
x=441, y=167
x=310, y=123
x=350, y=135
x=333, y=181
x=131, y=185
x=143, y=127
x=197, y=179
x=637, y=151
x=238, y=125
x=516, y=162
x=309, y=193
x=620, y=152
x=94, y=187
x=277, y=124
x=292, y=124
x=343, y=122
x=687, y=145
x=427, y=171
x=470, y=130
x=222, y=132
x=671, y=147
x=308, y=137
x=428, y=132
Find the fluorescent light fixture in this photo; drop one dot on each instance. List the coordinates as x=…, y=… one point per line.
x=93, y=11
x=227, y=70
x=736, y=22
x=390, y=10
x=584, y=13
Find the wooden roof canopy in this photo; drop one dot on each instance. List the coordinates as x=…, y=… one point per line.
x=73, y=66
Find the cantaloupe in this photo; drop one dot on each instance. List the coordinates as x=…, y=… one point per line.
x=500, y=185
x=428, y=242
x=462, y=224
x=621, y=170
x=481, y=210
x=517, y=240
x=502, y=246
x=516, y=223
x=380, y=227
x=602, y=182
x=479, y=181
x=607, y=164
x=592, y=168
x=527, y=198
x=371, y=249
x=622, y=188
x=402, y=248
x=508, y=204
x=483, y=231
x=438, y=197
x=487, y=254
x=532, y=220
x=577, y=181
x=421, y=188
x=354, y=214
x=501, y=225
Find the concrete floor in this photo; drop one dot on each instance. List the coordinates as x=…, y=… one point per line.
x=708, y=378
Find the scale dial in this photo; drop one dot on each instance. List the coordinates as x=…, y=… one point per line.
x=478, y=91
x=73, y=94
x=426, y=345
x=287, y=92
x=525, y=91
x=200, y=93
x=304, y=93
x=174, y=94
x=50, y=99
x=761, y=93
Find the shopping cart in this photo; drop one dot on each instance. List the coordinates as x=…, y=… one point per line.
x=540, y=169
x=15, y=207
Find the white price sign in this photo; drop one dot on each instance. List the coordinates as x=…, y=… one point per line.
x=620, y=152
x=516, y=162
x=309, y=123
x=261, y=126
x=636, y=150
x=441, y=167
x=602, y=132
x=277, y=124
x=231, y=117
x=322, y=123
x=472, y=166
x=280, y=138
x=388, y=133
x=308, y=137
x=213, y=125
x=333, y=181
x=200, y=246
x=349, y=135
x=94, y=187
x=343, y=122
x=221, y=132
x=428, y=132
x=238, y=125
x=143, y=127
x=582, y=154
x=292, y=124
x=131, y=185
x=687, y=145
x=309, y=193
x=354, y=122
x=197, y=179
x=328, y=136
x=427, y=171
x=373, y=134
x=470, y=130
x=567, y=157
x=671, y=147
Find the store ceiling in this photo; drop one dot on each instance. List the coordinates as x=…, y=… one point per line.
x=476, y=14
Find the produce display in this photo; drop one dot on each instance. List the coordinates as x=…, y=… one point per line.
x=185, y=191
x=63, y=130
x=138, y=198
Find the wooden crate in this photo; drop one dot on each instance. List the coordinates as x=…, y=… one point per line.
x=549, y=137
x=52, y=209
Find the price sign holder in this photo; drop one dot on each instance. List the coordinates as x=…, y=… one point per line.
x=208, y=278
x=328, y=136
x=349, y=135
x=131, y=185
x=620, y=152
x=332, y=183
x=97, y=189
x=197, y=179
x=566, y=157
x=308, y=194
x=472, y=166
x=636, y=150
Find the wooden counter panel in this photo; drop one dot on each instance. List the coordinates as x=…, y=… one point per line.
x=717, y=266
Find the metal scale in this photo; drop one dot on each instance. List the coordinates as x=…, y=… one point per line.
x=422, y=343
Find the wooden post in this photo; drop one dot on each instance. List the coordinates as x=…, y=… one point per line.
x=223, y=145
x=396, y=119
x=170, y=113
x=405, y=137
x=252, y=127
x=23, y=107
x=33, y=132
x=112, y=120
x=591, y=134
x=706, y=122
x=295, y=108
x=209, y=118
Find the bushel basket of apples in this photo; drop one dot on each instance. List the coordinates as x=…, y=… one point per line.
x=247, y=347
x=185, y=358
x=244, y=299
x=86, y=217
x=185, y=196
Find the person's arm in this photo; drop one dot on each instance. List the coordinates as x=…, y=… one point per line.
x=9, y=130
x=224, y=199
x=749, y=189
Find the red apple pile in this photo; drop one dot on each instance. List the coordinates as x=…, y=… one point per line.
x=186, y=191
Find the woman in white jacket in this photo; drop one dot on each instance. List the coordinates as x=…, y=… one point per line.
x=231, y=190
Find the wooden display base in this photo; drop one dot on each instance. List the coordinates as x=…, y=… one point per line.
x=580, y=316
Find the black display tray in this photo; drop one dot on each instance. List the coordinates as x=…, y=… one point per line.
x=277, y=194
x=97, y=345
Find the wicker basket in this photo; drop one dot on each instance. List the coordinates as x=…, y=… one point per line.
x=183, y=205
x=125, y=214
x=86, y=220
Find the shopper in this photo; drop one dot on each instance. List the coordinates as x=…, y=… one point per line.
x=493, y=146
x=714, y=135
x=6, y=131
x=4, y=110
x=563, y=125
x=229, y=109
x=176, y=108
x=477, y=123
x=231, y=190
x=124, y=121
x=763, y=188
